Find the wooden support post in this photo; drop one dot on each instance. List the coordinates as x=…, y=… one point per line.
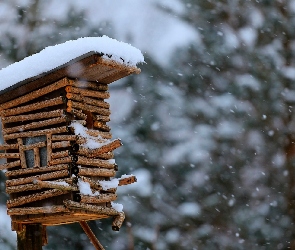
x=30, y=237
x=91, y=235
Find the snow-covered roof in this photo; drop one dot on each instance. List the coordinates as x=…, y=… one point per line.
x=58, y=56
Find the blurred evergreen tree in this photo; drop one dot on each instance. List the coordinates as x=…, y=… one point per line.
x=216, y=130
x=224, y=155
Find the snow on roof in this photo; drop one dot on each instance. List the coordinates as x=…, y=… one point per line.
x=55, y=56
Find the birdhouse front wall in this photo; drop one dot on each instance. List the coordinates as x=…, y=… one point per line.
x=56, y=138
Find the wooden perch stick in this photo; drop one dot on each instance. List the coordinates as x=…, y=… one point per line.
x=118, y=221
x=95, y=162
x=102, y=118
x=88, y=100
x=57, y=130
x=91, y=208
x=128, y=180
x=100, y=199
x=34, y=197
x=37, y=210
x=86, y=92
x=9, y=155
x=55, y=185
x=26, y=180
x=29, y=117
x=97, y=172
x=35, y=94
x=36, y=170
x=33, y=125
x=102, y=126
x=86, y=107
x=91, y=235
x=32, y=107
x=90, y=85
x=10, y=165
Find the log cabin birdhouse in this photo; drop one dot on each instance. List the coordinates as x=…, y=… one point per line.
x=60, y=164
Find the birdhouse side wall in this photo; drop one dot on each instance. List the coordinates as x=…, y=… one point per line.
x=27, y=130
x=47, y=134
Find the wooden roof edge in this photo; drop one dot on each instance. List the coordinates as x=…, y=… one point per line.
x=57, y=73
x=132, y=69
x=31, y=79
x=113, y=63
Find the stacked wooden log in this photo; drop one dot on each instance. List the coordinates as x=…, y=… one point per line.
x=56, y=141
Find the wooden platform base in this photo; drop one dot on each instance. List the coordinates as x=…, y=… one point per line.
x=57, y=218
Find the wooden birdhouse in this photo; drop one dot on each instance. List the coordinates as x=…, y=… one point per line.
x=60, y=164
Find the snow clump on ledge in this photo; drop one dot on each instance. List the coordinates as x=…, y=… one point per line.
x=55, y=56
x=117, y=206
x=113, y=183
x=91, y=141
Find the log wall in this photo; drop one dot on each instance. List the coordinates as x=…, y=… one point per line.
x=47, y=158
